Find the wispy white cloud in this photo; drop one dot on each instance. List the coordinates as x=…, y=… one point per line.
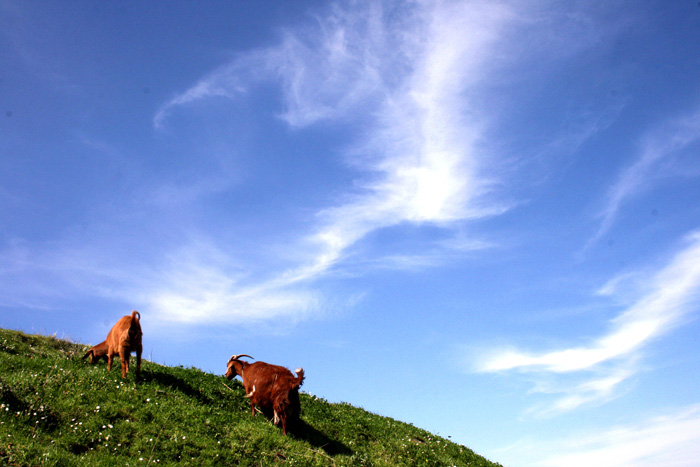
x=670, y=440
x=324, y=69
x=563, y=394
x=223, y=82
x=415, y=73
x=335, y=66
x=423, y=149
x=408, y=77
x=673, y=292
x=194, y=284
x=421, y=152
x=199, y=285
x=35, y=275
x=659, y=145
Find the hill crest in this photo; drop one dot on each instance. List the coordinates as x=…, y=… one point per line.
x=56, y=409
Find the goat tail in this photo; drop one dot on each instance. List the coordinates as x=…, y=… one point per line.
x=136, y=315
x=300, y=376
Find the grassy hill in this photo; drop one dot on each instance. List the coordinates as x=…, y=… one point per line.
x=56, y=409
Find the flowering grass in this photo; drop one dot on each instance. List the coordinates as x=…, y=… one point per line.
x=57, y=410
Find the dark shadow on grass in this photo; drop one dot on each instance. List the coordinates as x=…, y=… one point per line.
x=319, y=440
x=173, y=382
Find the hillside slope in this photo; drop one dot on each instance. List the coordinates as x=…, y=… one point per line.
x=56, y=409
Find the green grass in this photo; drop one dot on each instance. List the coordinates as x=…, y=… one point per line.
x=58, y=410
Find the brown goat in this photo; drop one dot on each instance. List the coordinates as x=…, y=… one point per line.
x=97, y=352
x=124, y=338
x=273, y=388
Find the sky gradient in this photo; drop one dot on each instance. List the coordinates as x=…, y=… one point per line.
x=478, y=217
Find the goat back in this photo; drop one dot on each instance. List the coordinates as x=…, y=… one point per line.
x=126, y=332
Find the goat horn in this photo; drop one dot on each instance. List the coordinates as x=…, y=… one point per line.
x=236, y=357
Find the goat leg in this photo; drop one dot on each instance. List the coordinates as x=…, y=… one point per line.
x=124, y=357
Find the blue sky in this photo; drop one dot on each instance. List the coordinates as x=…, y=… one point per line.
x=479, y=217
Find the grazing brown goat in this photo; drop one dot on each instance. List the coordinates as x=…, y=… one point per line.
x=124, y=338
x=97, y=352
x=273, y=388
